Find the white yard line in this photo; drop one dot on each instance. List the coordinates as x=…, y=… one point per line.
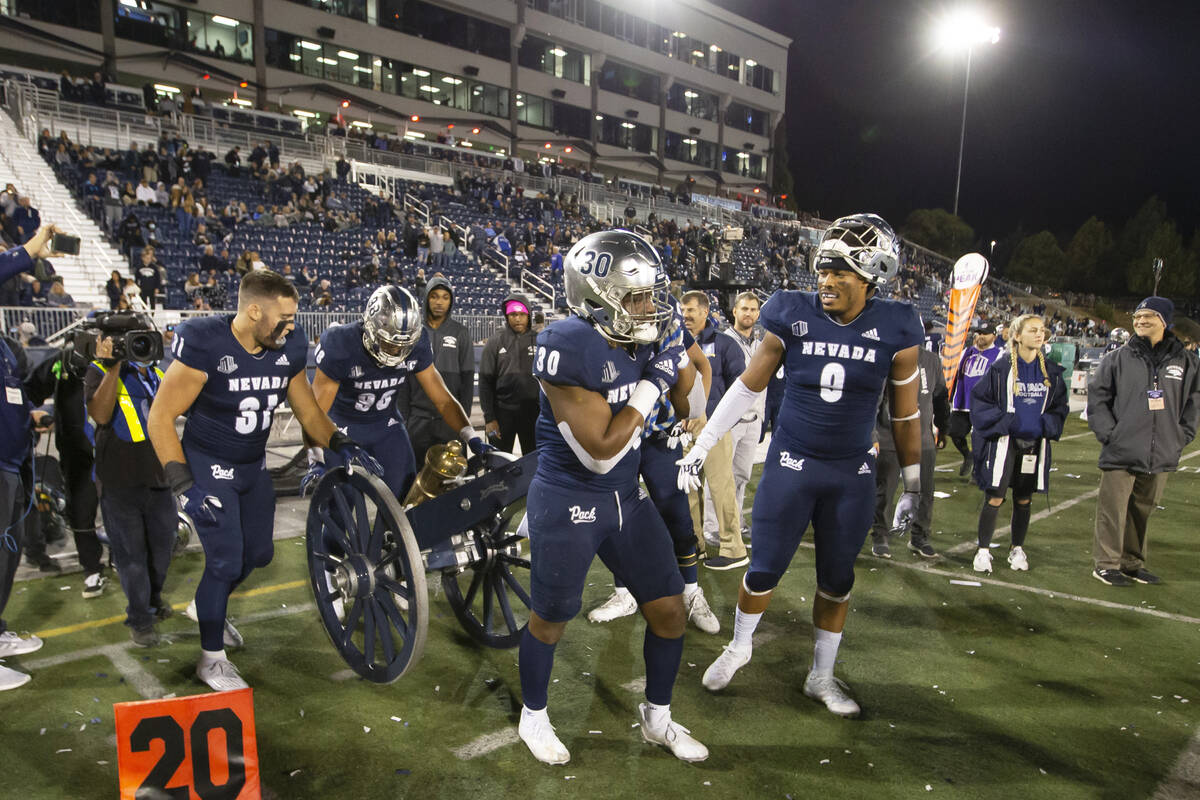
x=487, y=743
x=142, y=681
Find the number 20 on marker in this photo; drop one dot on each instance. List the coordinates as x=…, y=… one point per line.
x=184, y=748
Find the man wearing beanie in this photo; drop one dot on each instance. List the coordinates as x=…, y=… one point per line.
x=1143, y=406
x=508, y=391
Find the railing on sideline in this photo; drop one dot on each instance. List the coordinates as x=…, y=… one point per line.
x=48, y=323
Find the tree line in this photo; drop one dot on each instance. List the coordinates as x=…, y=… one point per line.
x=1096, y=259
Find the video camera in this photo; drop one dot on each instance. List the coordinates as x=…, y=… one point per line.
x=133, y=335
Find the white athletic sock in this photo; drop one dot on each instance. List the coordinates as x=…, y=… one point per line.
x=657, y=716
x=690, y=589
x=743, y=629
x=825, y=648
x=541, y=713
x=208, y=656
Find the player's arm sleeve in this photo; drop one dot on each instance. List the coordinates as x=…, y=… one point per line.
x=487, y=379
x=329, y=358
x=1100, y=397
x=466, y=370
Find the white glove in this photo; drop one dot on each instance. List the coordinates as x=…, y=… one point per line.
x=689, y=479
x=906, y=511
x=679, y=435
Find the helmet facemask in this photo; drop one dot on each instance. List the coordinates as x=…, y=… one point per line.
x=863, y=243
x=639, y=316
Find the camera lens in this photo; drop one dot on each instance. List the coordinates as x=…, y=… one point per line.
x=141, y=348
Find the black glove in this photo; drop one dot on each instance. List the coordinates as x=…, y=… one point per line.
x=353, y=454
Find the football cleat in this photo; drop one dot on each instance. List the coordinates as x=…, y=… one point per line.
x=832, y=692
x=230, y=637
x=1018, y=560
x=538, y=735
x=220, y=675
x=699, y=613
x=983, y=560
x=720, y=672
x=619, y=604
x=671, y=735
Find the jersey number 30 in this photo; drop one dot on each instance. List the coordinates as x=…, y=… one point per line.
x=248, y=418
x=547, y=363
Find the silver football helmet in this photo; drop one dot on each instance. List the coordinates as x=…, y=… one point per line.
x=1118, y=336
x=391, y=325
x=862, y=242
x=615, y=280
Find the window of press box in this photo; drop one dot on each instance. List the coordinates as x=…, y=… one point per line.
x=168, y=26
x=444, y=26
x=322, y=60
x=353, y=9
x=627, y=134
x=746, y=118
x=562, y=118
x=553, y=59
x=78, y=14
x=690, y=149
x=748, y=165
x=629, y=81
x=691, y=101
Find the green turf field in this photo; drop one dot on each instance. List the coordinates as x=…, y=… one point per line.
x=1040, y=684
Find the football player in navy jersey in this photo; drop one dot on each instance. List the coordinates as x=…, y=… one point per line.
x=665, y=438
x=229, y=375
x=602, y=372
x=360, y=368
x=839, y=345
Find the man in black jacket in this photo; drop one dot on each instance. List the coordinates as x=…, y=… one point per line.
x=508, y=392
x=454, y=357
x=1143, y=406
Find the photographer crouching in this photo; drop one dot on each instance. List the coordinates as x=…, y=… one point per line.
x=136, y=502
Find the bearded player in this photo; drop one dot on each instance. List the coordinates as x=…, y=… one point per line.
x=840, y=346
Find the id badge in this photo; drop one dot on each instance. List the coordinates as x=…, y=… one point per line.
x=1154, y=397
x=1028, y=464
x=13, y=394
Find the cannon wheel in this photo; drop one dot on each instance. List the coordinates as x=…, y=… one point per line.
x=367, y=575
x=490, y=597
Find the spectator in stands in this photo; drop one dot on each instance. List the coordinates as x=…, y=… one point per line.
x=423, y=250
x=233, y=162
x=192, y=285
x=35, y=294
x=58, y=297
x=454, y=357
x=149, y=163
x=25, y=221
x=115, y=289
x=148, y=277
x=133, y=295
x=449, y=247
x=213, y=294
x=162, y=198
x=436, y=242
x=146, y=196
x=1143, y=406
x=99, y=95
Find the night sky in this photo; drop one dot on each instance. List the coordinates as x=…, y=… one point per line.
x=1084, y=107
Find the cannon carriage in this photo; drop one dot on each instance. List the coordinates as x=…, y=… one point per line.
x=370, y=560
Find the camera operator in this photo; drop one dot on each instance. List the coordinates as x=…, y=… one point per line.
x=136, y=503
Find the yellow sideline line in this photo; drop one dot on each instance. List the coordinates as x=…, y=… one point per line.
x=100, y=623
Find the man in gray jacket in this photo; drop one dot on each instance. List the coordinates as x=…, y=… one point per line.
x=1143, y=406
x=454, y=357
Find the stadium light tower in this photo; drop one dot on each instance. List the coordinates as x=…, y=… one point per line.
x=960, y=30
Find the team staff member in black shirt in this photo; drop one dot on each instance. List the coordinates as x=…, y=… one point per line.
x=508, y=392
